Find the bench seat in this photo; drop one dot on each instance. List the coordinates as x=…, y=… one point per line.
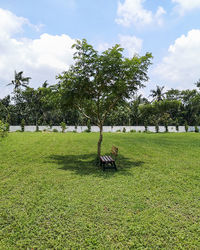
x=107, y=161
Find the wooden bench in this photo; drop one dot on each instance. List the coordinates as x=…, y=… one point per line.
x=107, y=161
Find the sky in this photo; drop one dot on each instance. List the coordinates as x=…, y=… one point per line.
x=36, y=37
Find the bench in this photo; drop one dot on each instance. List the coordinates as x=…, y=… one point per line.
x=107, y=161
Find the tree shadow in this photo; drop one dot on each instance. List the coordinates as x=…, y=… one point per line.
x=85, y=164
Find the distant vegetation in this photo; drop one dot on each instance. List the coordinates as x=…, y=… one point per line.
x=100, y=77
x=36, y=107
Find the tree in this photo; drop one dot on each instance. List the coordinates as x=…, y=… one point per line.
x=198, y=84
x=97, y=83
x=5, y=108
x=20, y=81
x=173, y=94
x=135, y=109
x=3, y=129
x=157, y=94
x=191, y=106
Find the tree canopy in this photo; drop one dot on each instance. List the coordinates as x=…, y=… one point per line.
x=97, y=83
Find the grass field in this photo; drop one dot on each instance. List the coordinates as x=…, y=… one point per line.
x=53, y=196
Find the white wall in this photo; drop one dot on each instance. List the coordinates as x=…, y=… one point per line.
x=105, y=128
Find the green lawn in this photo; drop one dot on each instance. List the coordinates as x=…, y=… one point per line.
x=53, y=195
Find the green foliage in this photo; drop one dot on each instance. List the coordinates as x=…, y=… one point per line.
x=3, y=129
x=55, y=130
x=133, y=131
x=196, y=129
x=37, y=128
x=158, y=93
x=146, y=125
x=51, y=124
x=87, y=130
x=7, y=126
x=124, y=130
x=186, y=126
x=157, y=127
x=88, y=125
x=98, y=83
x=22, y=125
x=177, y=125
x=165, y=118
x=63, y=126
x=42, y=106
x=19, y=81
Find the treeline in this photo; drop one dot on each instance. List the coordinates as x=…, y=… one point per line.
x=41, y=106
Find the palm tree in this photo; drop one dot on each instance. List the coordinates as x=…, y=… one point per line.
x=45, y=84
x=157, y=94
x=20, y=81
x=198, y=83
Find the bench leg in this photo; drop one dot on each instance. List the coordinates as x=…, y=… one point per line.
x=115, y=165
x=103, y=164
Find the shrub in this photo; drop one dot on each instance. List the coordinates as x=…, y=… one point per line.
x=166, y=127
x=133, y=131
x=145, y=126
x=87, y=130
x=177, y=125
x=118, y=130
x=186, y=126
x=89, y=126
x=157, y=127
x=51, y=124
x=37, y=128
x=55, y=130
x=124, y=130
x=63, y=126
x=196, y=130
x=7, y=126
x=22, y=125
x=3, y=129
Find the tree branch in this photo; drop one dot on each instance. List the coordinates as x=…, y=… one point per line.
x=81, y=110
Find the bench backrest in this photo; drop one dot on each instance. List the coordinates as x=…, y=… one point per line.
x=114, y=151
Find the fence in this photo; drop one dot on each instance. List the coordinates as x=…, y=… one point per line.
x=80, y=129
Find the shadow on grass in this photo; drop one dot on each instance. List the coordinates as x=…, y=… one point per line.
x=85, y=164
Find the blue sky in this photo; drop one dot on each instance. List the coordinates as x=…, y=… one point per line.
x=36, y=37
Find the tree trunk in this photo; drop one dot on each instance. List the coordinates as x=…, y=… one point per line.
x=100, y=141
x=36, y=121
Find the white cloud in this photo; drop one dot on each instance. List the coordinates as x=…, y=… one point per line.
x=181, y=65
x=42, y=58
x=132, y=12
x=186, y=5
x=10, y=23
x=103, y=46
x=158, y=16
x=132, y=44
